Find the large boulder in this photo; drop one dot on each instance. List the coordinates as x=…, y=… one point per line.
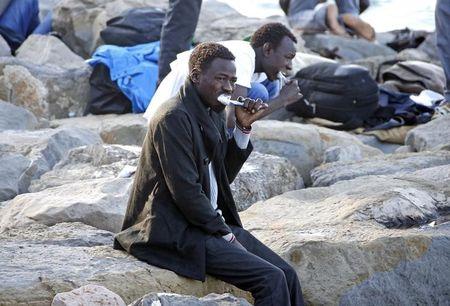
x=433, y=135
x=90, y=162
x=14, y=117
x=328, y=174
x=79, y=22
x=38, y=262
x=346, y=48
x=345, y=244
x=28, y=155
x=52, y=52
x=99, y=202
x=303, y=144
x=264, y=176
x=46, y=90
x=88, y=295
x=127, y=129
x=171, y=299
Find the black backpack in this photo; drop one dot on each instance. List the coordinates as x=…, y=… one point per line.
x=336, y=92
x=134, y=26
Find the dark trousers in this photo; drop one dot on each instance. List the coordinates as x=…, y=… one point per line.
x=177, y=31
x=270, y=279
x=443, y=39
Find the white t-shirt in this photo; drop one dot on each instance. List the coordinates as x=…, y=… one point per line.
x=169, y=87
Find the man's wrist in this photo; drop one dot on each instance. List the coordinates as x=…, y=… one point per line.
x=242, y=128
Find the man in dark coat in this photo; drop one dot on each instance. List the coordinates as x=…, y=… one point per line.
x=181, y=214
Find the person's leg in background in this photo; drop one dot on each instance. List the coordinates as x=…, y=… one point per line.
x=442, y=15
x=348, y=11
x=177, y=32
x=18, y=21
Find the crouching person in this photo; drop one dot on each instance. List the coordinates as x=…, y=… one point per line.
x=181, y=214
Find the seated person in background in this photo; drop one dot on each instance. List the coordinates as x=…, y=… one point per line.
x=311, y=16
x=19, y=19
x=181, y=214
x=258, y=65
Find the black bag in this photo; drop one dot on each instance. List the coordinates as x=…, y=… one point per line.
x=105, y=97
x=133, y=27
x=340, y=93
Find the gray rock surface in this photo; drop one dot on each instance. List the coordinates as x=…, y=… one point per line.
x=342, y=154
x=342, y=242
x=170, y=299
x=52, y=52
x=303, y=144
x=373, y=141
x=27, y=155
x=347, y=48
x=328, y=174
x=5, y=50
x=88, y=295
x=13, y=117
x=262, y=177
x=47, y=91
x=431, y=135
x=89, y=162
x=80, y=21
x=99, y=202
x=127, y=129
x=429, y=47
x=39, y=262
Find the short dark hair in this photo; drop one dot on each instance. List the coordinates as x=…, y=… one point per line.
x=202, y=55
x=272, y=33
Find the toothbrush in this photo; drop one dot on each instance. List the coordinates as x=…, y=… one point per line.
x=226, y=100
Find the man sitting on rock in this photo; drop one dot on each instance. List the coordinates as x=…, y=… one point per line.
x=258, y=65
x=312, y=16
x=181, y=213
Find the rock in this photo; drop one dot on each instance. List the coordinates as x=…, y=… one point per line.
x=28, y=155
x=52, y=52
x=342, y=242
x=88, y=295
x=342, y=154
x=328, y=174
x=429, y=47
x=303, y=60
x=5, y=50
x=214, y=23
x=347, y=48
x=57, y=259
x=404, y=149
x=13, y=117
x=373, y=141
x=79, y=22
x=171, y=299
x=413, y=55
x=375, y=64
x=100, y=203
x=430, y=135
x=47, y=91
x=46, y=6
x=88, y=162
x=127, y=129
x=262, y=177
x=303, y=144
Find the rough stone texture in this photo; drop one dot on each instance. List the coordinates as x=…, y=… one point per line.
x=13, y=117
x=170, y=299
x=342, y=154
x=80, y=21
x=52, y=52
x=429, y=47
x=328, y=174
x=88, y=295
x=98, y=202
x=431, y=135
x=5, y=50
x=127, y=129
x=302, y=60
x=303, y=144
x=47, y=91
x=347, y=48
x=262, y=177
x=373, y=141
x=37, y=263
x=27, y=155
x=89, y=162
x=341, y=240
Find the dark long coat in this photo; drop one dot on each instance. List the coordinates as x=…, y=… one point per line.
x=169, y=214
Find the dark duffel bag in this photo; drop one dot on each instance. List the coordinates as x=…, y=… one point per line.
x=336, y=92
x=105, y=97
x=133, y=27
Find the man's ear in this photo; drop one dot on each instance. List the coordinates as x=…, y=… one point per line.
x=267, y=49
x=194, y=75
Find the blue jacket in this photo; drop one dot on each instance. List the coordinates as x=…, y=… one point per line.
x=134, y=69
